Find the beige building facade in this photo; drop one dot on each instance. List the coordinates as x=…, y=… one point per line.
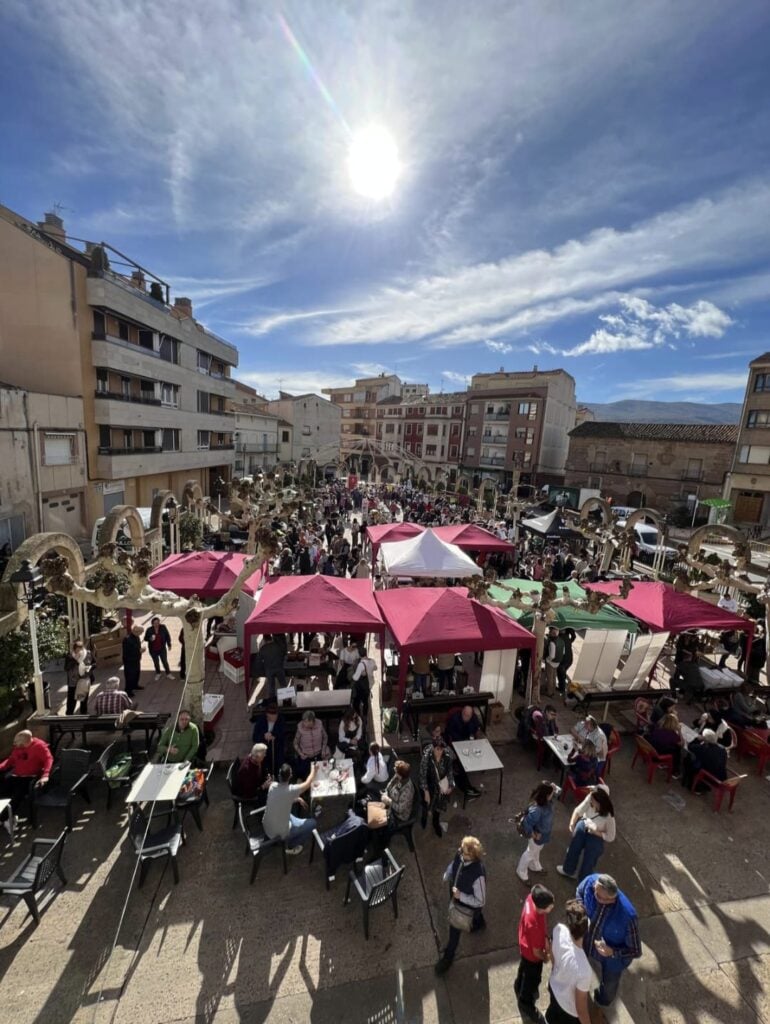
x=748, y=484
x=43, y=460
x=658, y=465
x=154, y=383
x=315, y=426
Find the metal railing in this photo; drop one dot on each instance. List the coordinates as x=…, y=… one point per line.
x=153, y=449
x=116, y=396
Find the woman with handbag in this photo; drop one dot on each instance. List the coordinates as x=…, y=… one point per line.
x=536, y=825
x=437, y=782
x=467, y=879
x=79, y=665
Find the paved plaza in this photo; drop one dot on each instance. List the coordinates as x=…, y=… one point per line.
x=215, y=949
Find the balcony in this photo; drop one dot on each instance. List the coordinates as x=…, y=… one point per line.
x=498, y=415
x=636, y=471
x=491, y=460
x=693, y=475
x=116, y=396
x=221, y=447
x=601, y=467
x=152, y=450
x=495, y=439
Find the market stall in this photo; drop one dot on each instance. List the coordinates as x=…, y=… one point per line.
x=204, y=574
x=564, y=616
x=391, y=532
x=442, y=620
x=427, y=555
x=469, y=537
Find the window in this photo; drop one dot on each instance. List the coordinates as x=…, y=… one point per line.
x=408, y=429
x=523, y=408
x=758, y=418
x=125, y=387
x=754, y=454
x=526, y=459
x=418, y=449
x=147, y=340
x=532, y=410
x=472, y=431
x=60, y=449
x=204, y=401
x=455, y=429
x=470, y=451
x=453, y=451
x=430, y=449
x=204, y=361
x=12, y=531
x=762, y=382
x=204, y=440
x=148, y=439
x=100, y=324
x=347, y=397
x=474, y=409
x=530, y=435
x=490, y=410
x=306, y=430
x=432, y=430
x=168, y=349
x=390, y=428
x=105, y=437
x=122, y=330
x=169, y=394
x=102, y=381
x=284, y=437
x=520, y=433
x=128, y=439
x=457, y=410
x=170, y=440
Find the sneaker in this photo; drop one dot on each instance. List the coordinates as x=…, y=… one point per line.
x=538, y=871
x=294, y=851
x=169, y=675
x=523, y=879
x=157, y=676
x=566, y=874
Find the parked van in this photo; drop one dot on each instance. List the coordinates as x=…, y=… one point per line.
x=123, y=538
x=648, y=540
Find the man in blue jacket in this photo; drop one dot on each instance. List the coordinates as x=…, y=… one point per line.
x=612, y=941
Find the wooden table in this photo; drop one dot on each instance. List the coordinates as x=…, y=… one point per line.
x=479, y=756
x=158, y=782
x=324, y=786
x=561, y=747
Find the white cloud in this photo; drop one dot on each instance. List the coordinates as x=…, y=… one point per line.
x=499, y=346
x=456, y=378
x=641, y=325
x=270, y=382
x=519, y=293
x=274, y=321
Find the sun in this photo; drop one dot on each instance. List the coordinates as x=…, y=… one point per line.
x=373, y=163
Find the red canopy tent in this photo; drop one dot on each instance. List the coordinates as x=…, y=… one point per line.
x=327, y=604
x=207, y=574
x=440, y=620
x=388, y=532
x=470, y=537
x=664, y=609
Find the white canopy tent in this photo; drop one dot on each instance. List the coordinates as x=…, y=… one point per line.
x=427, y=555
x=541, y=524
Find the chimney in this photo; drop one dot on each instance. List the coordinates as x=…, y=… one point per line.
x=53, y=225
x=137, y=280
x=184, y=305
x=534, y=368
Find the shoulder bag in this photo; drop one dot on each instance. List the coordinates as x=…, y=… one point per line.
x=459, y=916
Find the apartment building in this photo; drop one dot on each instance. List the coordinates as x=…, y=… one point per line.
x=360, y=405
x=315, y=427
x=433, y=433
x=43, y=460
x=154, y=382
x=518, y=424
x=256, y=432
x=660, y=465
x=748, y=483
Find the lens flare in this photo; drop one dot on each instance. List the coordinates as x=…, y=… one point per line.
x=373, y=162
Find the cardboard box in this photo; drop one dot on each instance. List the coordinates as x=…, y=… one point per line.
x=496, y=711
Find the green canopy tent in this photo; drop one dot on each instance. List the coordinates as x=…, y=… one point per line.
x=566, y=616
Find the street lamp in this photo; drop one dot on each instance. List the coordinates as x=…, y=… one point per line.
x=30, y=579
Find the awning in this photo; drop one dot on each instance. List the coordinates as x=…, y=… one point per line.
x=426, y=555
x=470, y=537
x=207, y=574
x=566, y=616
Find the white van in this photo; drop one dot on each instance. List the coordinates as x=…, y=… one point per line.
x=123, y=536
x=648, y=540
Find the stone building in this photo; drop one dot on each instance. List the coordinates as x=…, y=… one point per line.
x=748, y=486
x=660, y=465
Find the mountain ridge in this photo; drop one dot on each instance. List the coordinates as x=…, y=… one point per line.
x=637, y=411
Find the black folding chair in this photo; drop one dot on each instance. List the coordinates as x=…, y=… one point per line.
x=257, y=843
x=68, y=779
x=30, y=878
x=375, y=885
x=164, y=842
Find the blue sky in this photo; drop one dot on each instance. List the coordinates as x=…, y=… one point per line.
x=582, y=184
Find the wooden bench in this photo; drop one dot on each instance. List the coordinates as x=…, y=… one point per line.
x=73, y=725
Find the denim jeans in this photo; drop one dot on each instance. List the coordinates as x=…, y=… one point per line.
x=589, y=845
x=609, y=980
x=300, y=830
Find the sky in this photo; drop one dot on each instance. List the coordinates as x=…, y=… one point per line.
x=580, y=184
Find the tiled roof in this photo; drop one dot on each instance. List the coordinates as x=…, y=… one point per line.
x=763, y=359
x=702, y=433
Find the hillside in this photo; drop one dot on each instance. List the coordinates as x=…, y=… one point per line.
x=633, y=411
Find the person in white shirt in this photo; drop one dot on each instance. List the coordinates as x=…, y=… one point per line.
x=592, y=825
x=349, y=657
x=570, y=980
x=589, y=730
x=376, y=774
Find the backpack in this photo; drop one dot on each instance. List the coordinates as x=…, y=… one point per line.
x=525, y=726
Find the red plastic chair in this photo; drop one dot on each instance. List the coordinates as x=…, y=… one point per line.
x=719, y=788
x=612, y=748
x=652, y=759
x=752, y=745
x=570, y=786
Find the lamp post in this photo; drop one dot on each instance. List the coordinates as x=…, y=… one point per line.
x=173, y=526
x=30, y=579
